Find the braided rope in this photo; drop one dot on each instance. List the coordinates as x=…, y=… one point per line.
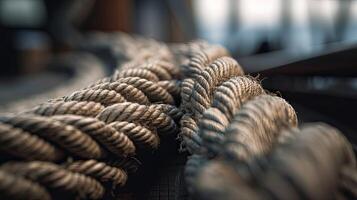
x=235, y=130
x=139, y=134
x=116, y=142
x=55, y=177
x=256, y=127
x=307, y=166
x=129, y=92
x=104, y=97
x=99, y=170
x=83, y=108
x=63, y=135
x=96, y=129
x=245, y=142
x=19, y=143
x=16, y=187
x=197, y=93
x=227, y=100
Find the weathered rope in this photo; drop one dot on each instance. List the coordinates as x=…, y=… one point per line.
x=227, y=100
x=55, y=177
x=245, y=142
x=99, y=170
x=83, y=108
x=19, y=143
x=307, y=166
x=197, y=92
x=235, y=129
x=16, y=187
x=255, y=128
x=77, y=142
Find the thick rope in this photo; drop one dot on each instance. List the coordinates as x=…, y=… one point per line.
x=140, y=135
x=255, y=128
x=19, y=143
x=55, y=177
x=246, y=143
x=307, y=166
x=99, y=170
x=83, y=108
x=231, y=124
x=97, y=129
x=13, y=186
x=227, y=100
x=65, y=136
x=197, y=93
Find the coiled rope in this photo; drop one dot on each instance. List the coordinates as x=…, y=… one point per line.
x=245, y=143
x=74, y=145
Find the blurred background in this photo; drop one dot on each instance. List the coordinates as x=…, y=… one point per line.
x=304, y=49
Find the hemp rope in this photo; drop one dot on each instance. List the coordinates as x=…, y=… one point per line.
x=245, y=142
x=16, y=187
x=308, y=166
x=197, y=92
x=99, y=128
x=230, y=120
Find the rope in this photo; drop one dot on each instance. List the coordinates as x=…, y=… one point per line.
x=306, y=167
x=55, y=177
x=75, y=144
x=245, y=142
x=13, y=186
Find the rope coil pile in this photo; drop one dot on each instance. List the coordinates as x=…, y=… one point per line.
x=245, y=142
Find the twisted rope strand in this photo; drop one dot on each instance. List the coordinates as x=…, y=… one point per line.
x=83, y=108
x=227, y=100
x=132, y=112
x=153, y=91
x=114, y=141
x=16, y=187
x=104, y=97
x=256, y=127
x=201, y=92
x=56, y=177
x=201, y=57
x=129, y=92
x=136, y=72
x=66, y=136
x=22, y=144
x=99, y=170
x=141, y=136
